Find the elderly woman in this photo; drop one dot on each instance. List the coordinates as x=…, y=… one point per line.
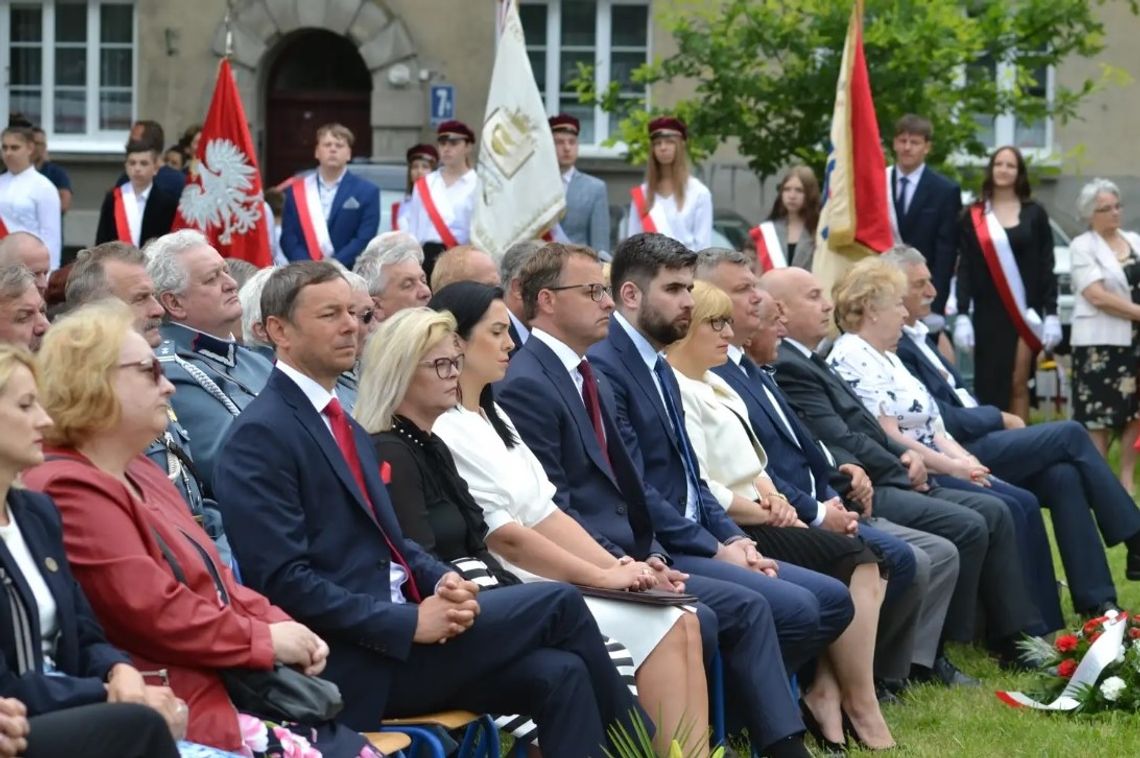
x=54, y=657
x=153, y=576
x=732, y=462
x=1106, y=280
x=869, y=308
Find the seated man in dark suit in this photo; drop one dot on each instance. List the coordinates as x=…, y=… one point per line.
x=979, y=525
x=314, y=530
x=924, y=567
x=1056, y=460
x=651, y=277
x=565, y=414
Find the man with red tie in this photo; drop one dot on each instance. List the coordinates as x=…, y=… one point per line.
x=314, y=529
x=137, y=211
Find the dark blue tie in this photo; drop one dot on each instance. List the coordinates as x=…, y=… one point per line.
x=671, y=392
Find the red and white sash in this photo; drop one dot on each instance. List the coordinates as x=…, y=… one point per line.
x=395, y=216
x=769, y=253
x=652, y=220
x=441, y=227
x=1005, y=274
x=555, y=234
x=125, y=212
x=3, y=228
x=314, y=227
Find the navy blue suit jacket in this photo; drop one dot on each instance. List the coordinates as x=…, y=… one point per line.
x=350, y=229
x=607, y=499
x=307, y=538
x=964, y=424
x=791, y=462
x=931, y=225
x=82, y=651
x=652, y=443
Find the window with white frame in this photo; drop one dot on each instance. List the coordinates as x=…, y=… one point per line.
x=612, y=36
x=71, y=69
x=1033, y=136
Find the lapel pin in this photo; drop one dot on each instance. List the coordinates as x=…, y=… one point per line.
x=52, y=566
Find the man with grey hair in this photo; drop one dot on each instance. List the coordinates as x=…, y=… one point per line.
x=215, y=377
x=253, y=334
x=118, y=269
x=347, y=385
x=392, y=267
x=509, y=269
x=464, y=263
x=29, y=250
x=23, y=318
x=1056, y=461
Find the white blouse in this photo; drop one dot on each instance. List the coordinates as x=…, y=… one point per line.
x=509, y=484
x=729, y=455
x=29, y=202
x=690, y=224
x=455, y=204
x=48, y=614
x=886, y=387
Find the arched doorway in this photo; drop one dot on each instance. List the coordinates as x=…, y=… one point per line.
x=317, y=77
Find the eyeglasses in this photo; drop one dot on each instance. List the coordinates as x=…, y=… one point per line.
x=152, y=366
x=444, y=367
x=596, y=291
x=366, y=315
x=1109, y=208
x=719, y=323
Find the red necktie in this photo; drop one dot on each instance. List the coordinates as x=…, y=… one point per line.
x=593, y=405
x=346, y=441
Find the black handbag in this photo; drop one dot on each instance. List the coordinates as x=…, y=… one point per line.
x=278, y=694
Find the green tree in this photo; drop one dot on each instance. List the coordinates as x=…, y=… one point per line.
x=765, y=70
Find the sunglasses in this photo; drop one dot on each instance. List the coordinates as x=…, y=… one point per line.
x=150, y=366
x=366, y=315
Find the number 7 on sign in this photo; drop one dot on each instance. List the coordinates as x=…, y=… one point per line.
x=442, y=102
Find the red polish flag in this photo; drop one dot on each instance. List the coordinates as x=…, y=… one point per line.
x=855, y=220
x=224, y=199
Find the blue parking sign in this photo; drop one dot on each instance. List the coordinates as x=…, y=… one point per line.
x=442, y=105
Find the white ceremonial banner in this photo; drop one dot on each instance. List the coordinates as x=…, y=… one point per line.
x=521, y=194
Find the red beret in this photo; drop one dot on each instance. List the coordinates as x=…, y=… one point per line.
x=423, y=151
x=564, y=122
x=667, y=125
x=455, y=129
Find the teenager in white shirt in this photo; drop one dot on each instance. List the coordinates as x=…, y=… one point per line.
x=29, y=202
x=670, y=201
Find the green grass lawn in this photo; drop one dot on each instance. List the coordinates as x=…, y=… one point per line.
x=935, y=721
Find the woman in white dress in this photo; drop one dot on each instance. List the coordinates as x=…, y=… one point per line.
x=422, y=160
x=732, y=462
x=670, y=201
x=29, y=202
x=535, y=540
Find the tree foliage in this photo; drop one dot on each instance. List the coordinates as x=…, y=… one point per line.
x=765, y=70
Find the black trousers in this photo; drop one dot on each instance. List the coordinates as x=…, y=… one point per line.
x=103, y=730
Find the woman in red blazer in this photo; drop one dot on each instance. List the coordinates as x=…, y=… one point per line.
x=107, y=395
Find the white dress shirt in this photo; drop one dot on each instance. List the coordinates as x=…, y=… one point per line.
x=567, y=177
x=134, y=206
x=650, y=357
x=690, y=224
x=520, y=328
x=326, y=191
x=911, y=182
x=455, y=204
x=565, y=354
x=45, y=602
x=917, y=335
x=320, y=398
x=29, y=202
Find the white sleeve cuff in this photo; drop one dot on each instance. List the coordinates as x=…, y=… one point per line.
x=820, y=512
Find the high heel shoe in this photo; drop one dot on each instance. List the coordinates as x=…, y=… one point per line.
x=849, y=732
x=831, y=749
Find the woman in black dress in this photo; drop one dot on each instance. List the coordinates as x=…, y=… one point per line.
x=1003, y=358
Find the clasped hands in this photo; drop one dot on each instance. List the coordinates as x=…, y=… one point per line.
x=448, y=613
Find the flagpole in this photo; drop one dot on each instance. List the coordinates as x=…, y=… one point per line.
x=229, y=29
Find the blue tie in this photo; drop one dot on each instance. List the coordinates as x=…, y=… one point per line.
x=692, y=477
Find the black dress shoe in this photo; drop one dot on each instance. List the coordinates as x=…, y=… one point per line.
x=885, y=695
x=943, y=672
x=1132, y=566
x=830, y=748
x=1103, y=608
x=851, y=733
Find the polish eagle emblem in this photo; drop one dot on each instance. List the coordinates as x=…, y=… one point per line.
x=223, y=199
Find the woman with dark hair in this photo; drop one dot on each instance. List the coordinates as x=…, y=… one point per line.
x=535, y=540
x=1005, y=273
x=671, y=201
x=788, y=236
x=422, y=160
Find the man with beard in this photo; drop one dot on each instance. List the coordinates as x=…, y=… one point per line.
x=22, y=313
x=215, y=377
x=652, y=276
x=118, y=269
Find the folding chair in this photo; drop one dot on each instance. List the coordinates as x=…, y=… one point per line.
x=480, y=738
x=388, y=743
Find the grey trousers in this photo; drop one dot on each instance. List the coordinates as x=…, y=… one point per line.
x=909, y=631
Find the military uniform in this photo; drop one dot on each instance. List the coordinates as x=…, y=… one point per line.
x=171, y=453
x=346, y=390
x=214, y=380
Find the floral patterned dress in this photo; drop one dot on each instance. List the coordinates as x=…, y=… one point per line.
x=1104, y=376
